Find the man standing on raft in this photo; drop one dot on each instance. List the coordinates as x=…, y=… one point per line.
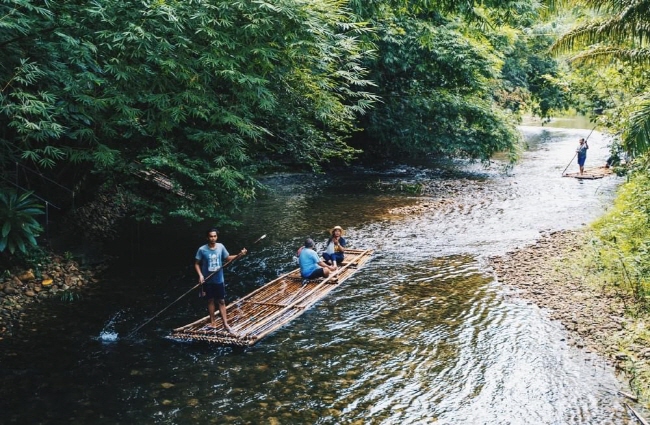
x=209, y=261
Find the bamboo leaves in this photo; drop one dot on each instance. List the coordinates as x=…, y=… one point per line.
x=209, y=93
x=207, y=85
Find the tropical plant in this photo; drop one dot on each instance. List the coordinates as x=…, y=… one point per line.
x=617, y=34
x=623, y=240
x=18, y=221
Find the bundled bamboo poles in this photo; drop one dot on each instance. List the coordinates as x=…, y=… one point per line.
x=591, y=173
x=271, y=306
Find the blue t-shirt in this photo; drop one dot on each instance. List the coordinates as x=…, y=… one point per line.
x=308, y=260
x=211, y=260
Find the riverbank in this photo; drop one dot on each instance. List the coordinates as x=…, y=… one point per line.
x=56, y=276
x=551, y=274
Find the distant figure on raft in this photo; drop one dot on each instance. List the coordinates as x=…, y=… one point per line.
x=582, y=154
x=335, y=247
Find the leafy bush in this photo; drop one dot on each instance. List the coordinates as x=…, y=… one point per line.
x=19, y=227
x=622, y=240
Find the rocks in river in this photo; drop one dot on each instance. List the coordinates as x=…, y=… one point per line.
x=23, y=287
x=543, y=274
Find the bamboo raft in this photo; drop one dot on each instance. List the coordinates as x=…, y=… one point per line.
x=271, y=306
x=591, y=173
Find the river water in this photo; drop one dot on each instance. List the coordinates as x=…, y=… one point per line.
x=422, y=334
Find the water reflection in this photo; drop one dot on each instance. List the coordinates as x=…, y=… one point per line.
x=422, y=334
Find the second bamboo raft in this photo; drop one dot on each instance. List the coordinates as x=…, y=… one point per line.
x=591, y=173
x=271, y=306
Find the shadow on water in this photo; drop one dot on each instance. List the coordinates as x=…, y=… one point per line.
x=421, y=334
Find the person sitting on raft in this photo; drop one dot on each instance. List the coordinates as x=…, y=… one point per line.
x=311, y=266
x=335, y=247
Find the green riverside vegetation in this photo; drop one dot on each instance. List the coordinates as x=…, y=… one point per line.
x=607, y=48
x=180, y=106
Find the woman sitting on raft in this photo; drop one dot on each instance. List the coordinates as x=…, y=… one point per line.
x=335, y=247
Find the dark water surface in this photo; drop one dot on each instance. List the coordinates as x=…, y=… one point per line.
x=422, y=334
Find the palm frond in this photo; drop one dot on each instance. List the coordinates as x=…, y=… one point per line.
x=605, y=55
x=625, y=23
x=636, y=138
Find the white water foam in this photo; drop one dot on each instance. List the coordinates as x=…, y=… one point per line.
x=108, y=333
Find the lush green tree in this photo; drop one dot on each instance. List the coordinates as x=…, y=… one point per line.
x=617, y=34
x=194, y=97
x=533, y=79
x=438, y=73
x=182, y=104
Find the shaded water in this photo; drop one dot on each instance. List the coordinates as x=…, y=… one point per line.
x=421, y=334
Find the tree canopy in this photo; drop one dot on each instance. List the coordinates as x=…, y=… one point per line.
x=183, y=104
x=612, y=36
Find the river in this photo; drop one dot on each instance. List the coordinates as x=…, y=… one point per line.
x=422, y=334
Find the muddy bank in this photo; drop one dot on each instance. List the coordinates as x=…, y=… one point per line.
x=550, y=273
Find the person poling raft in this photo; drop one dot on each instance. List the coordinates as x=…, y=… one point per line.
x=202, y=279
x=208, y=265
x=590, y=173
x=581, y=152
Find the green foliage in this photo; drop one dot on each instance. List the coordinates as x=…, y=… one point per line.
x=206, y=93
x=436, y=82
x=19, y=227
x=614, y=35
x=534, y=81
x=622, y=240
x=183, y=104
x=637, y=135
x=616, y=30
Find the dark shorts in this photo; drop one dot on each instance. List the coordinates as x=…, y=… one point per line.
x=316, y=274
x=214, y=290
x=581, y=160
